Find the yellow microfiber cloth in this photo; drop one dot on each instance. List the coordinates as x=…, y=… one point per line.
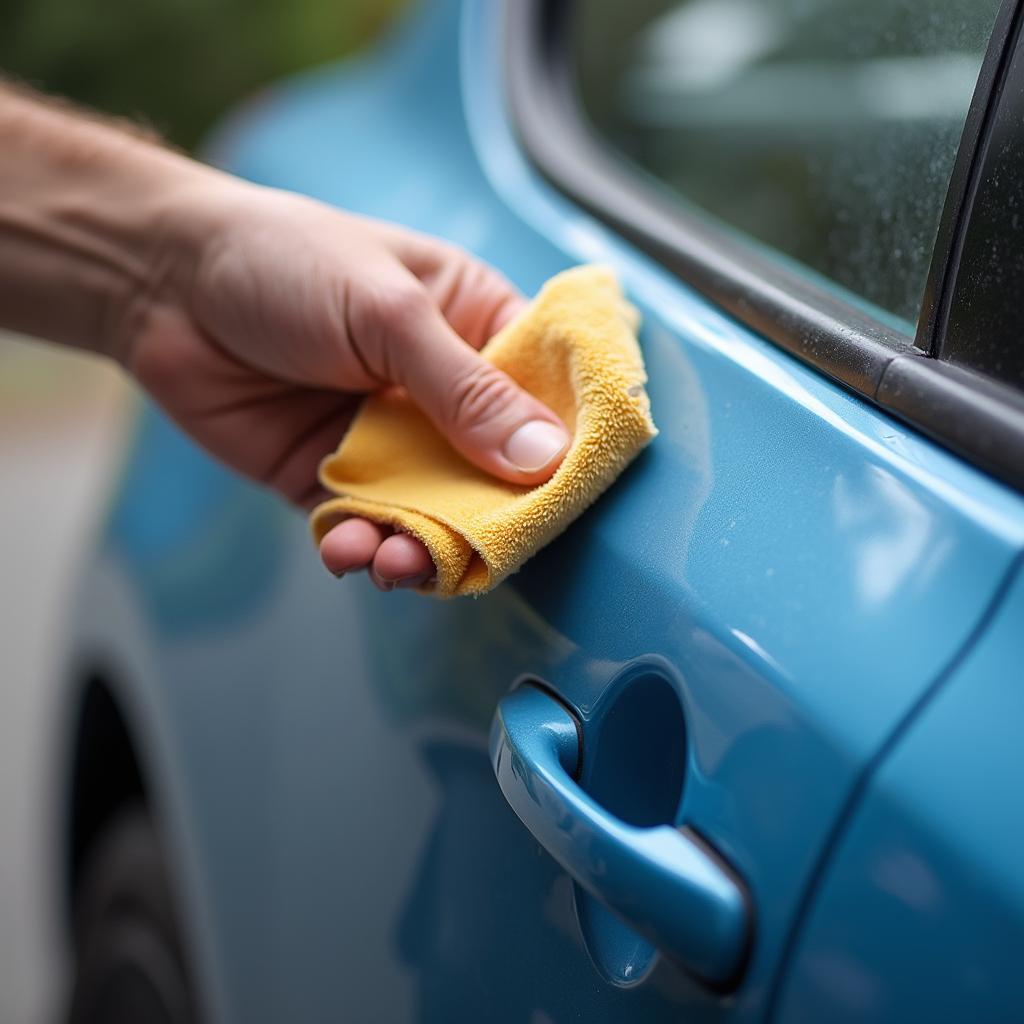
x=574, y=347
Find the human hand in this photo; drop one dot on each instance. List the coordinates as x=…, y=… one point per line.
x=287, y=312
x=258, y=319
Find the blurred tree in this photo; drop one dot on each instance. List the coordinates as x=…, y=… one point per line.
x=176, y=64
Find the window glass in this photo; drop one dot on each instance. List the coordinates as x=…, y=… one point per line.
x=824, y=129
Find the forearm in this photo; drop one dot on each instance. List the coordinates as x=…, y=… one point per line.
x=92, y=224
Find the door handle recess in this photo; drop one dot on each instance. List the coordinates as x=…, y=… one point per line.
x=661, y=881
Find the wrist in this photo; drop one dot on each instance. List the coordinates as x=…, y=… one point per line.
x=94, y=224
x=181, y=209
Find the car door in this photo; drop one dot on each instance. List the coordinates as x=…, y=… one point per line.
x=725, y=642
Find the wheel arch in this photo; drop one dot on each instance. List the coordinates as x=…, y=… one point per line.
x=104, y=770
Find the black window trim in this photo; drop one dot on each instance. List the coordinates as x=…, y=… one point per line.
x=972, y=415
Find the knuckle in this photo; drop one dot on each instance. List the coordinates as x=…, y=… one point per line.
x=480, y=395
x=477, y=280
x=383, y=324
x=401, y=307
x=454, y=253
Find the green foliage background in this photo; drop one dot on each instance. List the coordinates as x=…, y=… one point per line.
x=176, y=64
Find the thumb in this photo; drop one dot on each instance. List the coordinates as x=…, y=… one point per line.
x=485, y=415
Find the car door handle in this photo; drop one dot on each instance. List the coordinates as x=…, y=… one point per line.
x=661, y=881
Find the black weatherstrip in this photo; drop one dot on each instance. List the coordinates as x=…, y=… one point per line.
x=962, y=411
x=963, y=179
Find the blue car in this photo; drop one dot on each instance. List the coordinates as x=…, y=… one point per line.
x=745, y=743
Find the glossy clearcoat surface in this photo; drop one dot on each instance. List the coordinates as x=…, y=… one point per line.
x=657, y=879
x=921, y=916
x=798, y=566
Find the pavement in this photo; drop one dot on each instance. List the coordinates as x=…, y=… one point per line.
x=63, y=419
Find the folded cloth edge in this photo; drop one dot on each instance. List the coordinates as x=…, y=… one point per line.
x=614, y=415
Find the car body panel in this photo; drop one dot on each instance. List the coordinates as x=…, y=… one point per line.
x=921, y=914
x=798, y=566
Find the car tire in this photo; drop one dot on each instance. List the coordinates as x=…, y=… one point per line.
x=130, y=962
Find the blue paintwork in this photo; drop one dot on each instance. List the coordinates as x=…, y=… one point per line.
x=799, y=566
x=657, y=878
x=921, y=915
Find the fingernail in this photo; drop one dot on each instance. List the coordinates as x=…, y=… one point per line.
x=414, y=581
x=340, y=575
x=381, y=584
x=535, y=444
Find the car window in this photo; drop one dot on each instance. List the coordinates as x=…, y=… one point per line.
x=825, y=130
